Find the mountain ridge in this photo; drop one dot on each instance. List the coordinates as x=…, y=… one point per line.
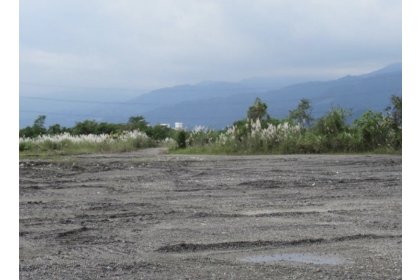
x=219, y=103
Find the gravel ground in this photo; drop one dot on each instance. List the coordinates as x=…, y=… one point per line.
x=148, y=215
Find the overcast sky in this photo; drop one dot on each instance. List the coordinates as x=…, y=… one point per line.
x=154, y=44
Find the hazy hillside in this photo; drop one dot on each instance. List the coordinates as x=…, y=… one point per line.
x=117, y=110
x=351, y=92
x=217, y=104
x=68, y=105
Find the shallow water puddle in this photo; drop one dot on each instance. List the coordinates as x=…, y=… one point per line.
x=296, y=257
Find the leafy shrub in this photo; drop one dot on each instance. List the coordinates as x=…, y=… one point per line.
x=24, y=146
x=158, y=132
x=180, y=138
x=258, y=134
x=374, y=129
x=85, y=128
x=334, y=122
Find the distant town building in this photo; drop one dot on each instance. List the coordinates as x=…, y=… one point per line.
x=178, y=125
x=166, y=124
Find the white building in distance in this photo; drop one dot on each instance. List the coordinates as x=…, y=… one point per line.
x=178, y=125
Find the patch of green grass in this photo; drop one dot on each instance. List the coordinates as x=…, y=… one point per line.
x=66, y=144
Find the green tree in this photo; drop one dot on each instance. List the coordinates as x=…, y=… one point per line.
x=54, y=129
x=40, y=121
x=395, y=118
x=26, y=132
x=106, y=128
x=38, y=128
x=258, y=110
x=84, y=128
x=333, y=122
x=137, y=122
x=373, y=129
x=303, y=113
x=396, y=110
x=159, y=132
x=180, y=138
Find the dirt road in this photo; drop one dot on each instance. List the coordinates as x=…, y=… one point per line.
x=147, y=215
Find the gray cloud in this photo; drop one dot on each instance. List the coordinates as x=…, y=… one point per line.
x=150, y=44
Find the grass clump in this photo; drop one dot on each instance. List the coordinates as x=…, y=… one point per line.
x=299, y=133
x=331, y=133
x=67, y=144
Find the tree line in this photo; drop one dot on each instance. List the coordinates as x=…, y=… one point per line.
x=329, y=133
x=157, y=132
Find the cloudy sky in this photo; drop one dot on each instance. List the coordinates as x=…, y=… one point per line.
x=152, y=44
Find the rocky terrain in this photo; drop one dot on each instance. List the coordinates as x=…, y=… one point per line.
x=148, y=215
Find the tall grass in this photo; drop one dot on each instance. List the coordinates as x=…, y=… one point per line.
x=330, y=134
x=78, y=144
x=254, y=140
x=373, y=132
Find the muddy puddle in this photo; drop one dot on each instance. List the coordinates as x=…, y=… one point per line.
x=297, y=257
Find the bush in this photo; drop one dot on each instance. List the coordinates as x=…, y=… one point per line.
x=180, y=138
x=24, y=146
x=334, y=122
x=159, y=132
x=374, y=129
x=85, y=128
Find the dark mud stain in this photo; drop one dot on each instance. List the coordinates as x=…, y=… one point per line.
x=129, y=214
x=131, y=267
x=296, y=213
x=274, y=214
x=106, y=270
x=216, y=215
x=191, y=247
x=297, y=257
x=112, y=206
x=188, y=190
x=265, y=184
x=32, y=188
x=34, y=202
x=72, y=232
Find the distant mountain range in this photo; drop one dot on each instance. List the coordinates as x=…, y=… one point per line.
x=218, y=104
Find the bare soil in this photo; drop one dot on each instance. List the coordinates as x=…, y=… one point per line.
x=148, y=215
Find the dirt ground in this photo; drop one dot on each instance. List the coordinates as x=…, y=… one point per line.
x=148, y=215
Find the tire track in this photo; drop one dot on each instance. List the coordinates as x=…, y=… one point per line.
x=192, y=247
